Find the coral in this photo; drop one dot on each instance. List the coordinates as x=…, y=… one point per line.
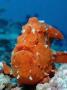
x=58, y=82
x=17, y=88
x=4, y=80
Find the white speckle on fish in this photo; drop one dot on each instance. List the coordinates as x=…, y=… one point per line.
x=41, y=21
x=12, y=52
x=52, y=70
x=18, y=76
x=30, y=78
x=30, y=71
x=37, y=53
x=46, y=39
x=16, y=66
x=46, y=28
x=35, y=45
x=50, y=26
x=56, y=34
x=17, y=71
x=46, y=74
x=53, y=58
x=33, y=30
x=23, y=31
x=46, y=46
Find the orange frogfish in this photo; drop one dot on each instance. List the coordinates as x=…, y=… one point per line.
x=32, y=60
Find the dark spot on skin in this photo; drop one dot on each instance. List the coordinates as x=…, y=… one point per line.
x=51, y=74
x=51, y=40
x=29, y=87
x=39, y=66
x=53, y=66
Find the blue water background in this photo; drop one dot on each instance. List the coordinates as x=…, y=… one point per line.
x=15, y=13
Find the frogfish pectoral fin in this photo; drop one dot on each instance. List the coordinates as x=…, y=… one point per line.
x=54, y=33
x=60, y=57
x=6, y=68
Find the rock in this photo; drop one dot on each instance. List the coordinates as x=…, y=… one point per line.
x=17, y=88
x=4, y=80
x=58, y=82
